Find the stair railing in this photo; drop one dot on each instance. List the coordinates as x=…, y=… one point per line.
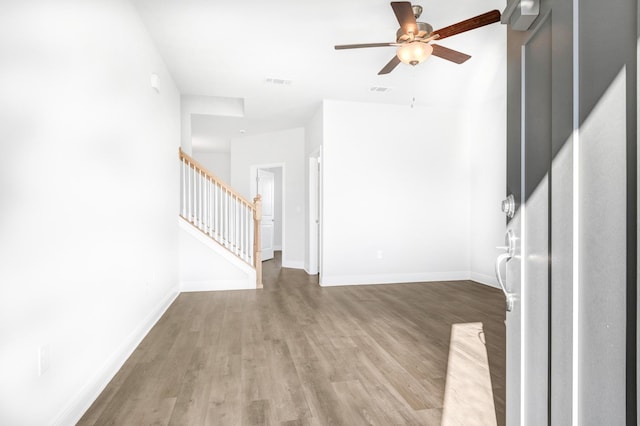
x=220, y=212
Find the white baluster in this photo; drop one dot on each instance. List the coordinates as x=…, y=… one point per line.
x=234, y=225
x=182, y=188
x=229, y=219
x=189, y=193
x=196, y=198
x=209, y=225
x=202, y=200
x=199, y=208
x=205, y=202
x=245, y=227
x=211, y=206
x=242, y=230
x=251, y=237
x=216, y=206
x=238, y=225
x=225, y=231
x=218, y=211
x=194, y=194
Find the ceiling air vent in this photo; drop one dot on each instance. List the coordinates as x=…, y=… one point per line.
x=379, y=89
x=279, y=81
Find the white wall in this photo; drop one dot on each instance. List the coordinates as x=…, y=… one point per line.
x=207, y=266
x=284, y=147
x=486, y=133
x=218, y=163
x=314, y=135
x=208, y=105
x=396, y=198
x=88, y=196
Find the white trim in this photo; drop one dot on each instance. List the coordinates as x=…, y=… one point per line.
x=373, y=279
x=523, y=222
x=309, y=272
x=575, y=364
x=313, y=214
x=488, y=280
x=295, y=264
x=81, y=402
x=218, y=285
x=520, y=14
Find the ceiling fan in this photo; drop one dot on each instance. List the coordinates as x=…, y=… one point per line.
x=413, y=38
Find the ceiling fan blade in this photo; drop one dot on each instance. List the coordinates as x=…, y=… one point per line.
x=469, y=24
x=358, y=46
x=404, y=14
x=390, y=66
x=449, y=54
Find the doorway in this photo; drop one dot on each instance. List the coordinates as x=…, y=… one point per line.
x=268, y=181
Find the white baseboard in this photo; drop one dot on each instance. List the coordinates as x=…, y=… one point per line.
x=306, y=269
x=295, y=264
x=81, y=402
x=338, y=280
x=485, y=279
x=219, y=285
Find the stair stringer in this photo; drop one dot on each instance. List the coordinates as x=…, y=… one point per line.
x=207, y=266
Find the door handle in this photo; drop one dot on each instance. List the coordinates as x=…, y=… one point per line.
x=508, y=206
x=503, y=258
x=508, y=296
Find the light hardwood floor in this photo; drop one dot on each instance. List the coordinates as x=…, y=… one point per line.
x=295, y=353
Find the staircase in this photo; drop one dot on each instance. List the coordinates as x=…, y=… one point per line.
x=221, y=213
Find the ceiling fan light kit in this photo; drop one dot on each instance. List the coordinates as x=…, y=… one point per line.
x=414, y=53
x=414, y=38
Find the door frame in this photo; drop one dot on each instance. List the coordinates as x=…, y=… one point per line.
x=314, y=241
x=253, y=175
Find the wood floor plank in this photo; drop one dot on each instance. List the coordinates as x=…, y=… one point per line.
x=295, y=353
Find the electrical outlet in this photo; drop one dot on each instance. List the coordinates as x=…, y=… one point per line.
x=44, y=359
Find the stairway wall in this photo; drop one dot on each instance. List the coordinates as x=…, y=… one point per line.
x=207, y=266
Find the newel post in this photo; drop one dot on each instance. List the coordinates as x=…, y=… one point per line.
x=257, y=244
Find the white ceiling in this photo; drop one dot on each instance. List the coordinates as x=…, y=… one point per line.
x=230, y=49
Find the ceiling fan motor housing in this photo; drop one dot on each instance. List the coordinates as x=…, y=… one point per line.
x=424, y=30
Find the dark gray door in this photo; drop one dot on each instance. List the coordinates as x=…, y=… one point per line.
x=529, y=180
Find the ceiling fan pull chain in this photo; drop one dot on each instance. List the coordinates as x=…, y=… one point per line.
x=413, y=87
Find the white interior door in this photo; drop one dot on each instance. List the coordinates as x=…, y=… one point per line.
x=266, y=189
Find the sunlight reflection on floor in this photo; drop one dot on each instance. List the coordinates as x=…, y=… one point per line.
x=468, y=397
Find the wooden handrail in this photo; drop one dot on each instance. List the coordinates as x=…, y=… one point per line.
x=214, y=178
